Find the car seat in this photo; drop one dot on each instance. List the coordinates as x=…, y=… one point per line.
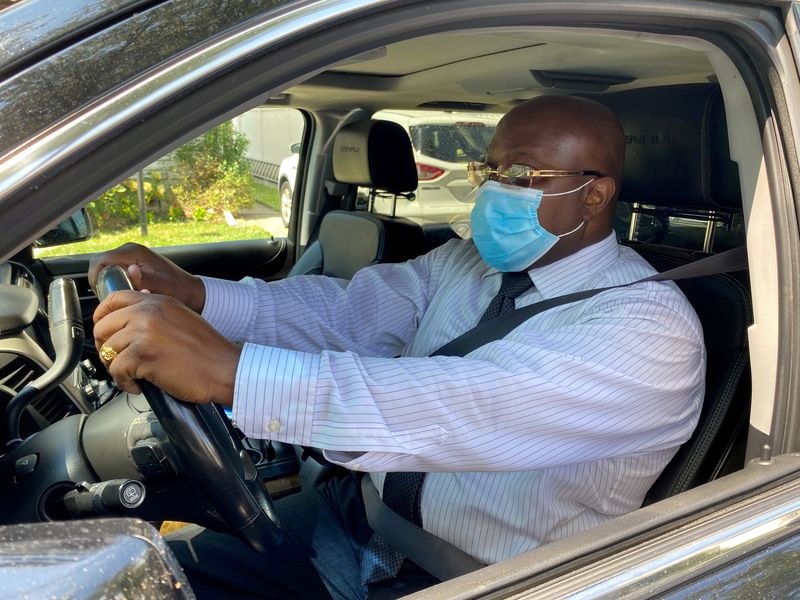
x=678, y=162
x=377, y=155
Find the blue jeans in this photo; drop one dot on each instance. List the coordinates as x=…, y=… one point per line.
x=326, y=531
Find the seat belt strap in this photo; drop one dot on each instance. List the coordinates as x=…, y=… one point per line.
x=430, y=552
x=500, y=326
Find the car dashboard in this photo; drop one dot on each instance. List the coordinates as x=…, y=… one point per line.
x=83, y=445
x=26, y=353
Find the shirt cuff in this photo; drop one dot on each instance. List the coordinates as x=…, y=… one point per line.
x=229, y=306
x=274, y=393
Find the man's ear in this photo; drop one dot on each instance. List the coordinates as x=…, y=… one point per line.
x=598, y=196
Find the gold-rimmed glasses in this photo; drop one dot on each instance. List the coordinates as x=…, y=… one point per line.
x=520, y=175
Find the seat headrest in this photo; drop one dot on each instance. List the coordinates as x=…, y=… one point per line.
x=375, y=154
x=676, y=152
x=353, y=240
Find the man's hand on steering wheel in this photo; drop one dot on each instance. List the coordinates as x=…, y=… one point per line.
x=150, y=271
x=156, y=344
x=158, y=339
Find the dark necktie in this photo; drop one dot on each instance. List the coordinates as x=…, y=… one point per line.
x=402, y=491
x=512, y=286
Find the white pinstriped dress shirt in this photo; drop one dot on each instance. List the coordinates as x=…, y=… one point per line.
x=563, y=424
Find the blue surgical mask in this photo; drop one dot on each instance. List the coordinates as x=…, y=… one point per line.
x=505, y=225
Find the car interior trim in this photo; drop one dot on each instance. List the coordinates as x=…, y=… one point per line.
x=763, y=256
x=787, y=273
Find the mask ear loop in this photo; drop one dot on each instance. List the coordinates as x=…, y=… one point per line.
x=573, y=231
x=572, y=192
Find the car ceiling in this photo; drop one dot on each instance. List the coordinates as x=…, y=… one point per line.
x=494, y=69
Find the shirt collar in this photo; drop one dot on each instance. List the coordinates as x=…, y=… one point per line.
x=572, y=272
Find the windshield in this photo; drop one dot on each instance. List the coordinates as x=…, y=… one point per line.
x=452, y=142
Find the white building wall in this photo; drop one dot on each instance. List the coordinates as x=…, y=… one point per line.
x=271, y=132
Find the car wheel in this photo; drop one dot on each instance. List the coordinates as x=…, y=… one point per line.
x=286, y=202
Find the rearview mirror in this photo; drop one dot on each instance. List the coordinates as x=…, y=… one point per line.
x=75, y=228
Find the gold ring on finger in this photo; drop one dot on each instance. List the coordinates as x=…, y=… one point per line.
x=107, y=353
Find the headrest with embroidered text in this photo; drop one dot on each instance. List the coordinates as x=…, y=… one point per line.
x=375, y=154
x=676, y=151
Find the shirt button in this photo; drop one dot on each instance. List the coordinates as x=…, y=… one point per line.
x=273, y=426
x=356, y=467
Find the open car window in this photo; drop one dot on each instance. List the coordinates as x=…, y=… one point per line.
x=234, y=182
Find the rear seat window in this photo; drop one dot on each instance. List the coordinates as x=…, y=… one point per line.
x=690, y=230
x=444, y=142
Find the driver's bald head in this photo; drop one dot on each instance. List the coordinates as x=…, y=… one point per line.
x=589, y=137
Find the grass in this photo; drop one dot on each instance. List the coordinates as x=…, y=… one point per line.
x=175, y=233
x=159, y=234
x=265, y=194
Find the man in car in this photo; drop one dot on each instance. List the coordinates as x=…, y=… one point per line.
x=561, y=425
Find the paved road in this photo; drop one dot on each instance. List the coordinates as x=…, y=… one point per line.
x=263, y=217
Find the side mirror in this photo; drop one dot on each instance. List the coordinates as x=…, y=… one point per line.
x=75, y=228
x=295, y=148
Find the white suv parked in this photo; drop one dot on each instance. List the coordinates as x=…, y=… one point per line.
x=444, y=142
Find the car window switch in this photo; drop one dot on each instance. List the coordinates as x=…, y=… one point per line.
x=25, y=465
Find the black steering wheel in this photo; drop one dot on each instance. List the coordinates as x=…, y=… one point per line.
x=209, y=451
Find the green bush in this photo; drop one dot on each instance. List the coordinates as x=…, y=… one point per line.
x=213, y=176
x=175, y=213
x=206, y=159
x=230, y=192
x=119, y=205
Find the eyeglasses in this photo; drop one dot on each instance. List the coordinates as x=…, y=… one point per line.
x=478, y=173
